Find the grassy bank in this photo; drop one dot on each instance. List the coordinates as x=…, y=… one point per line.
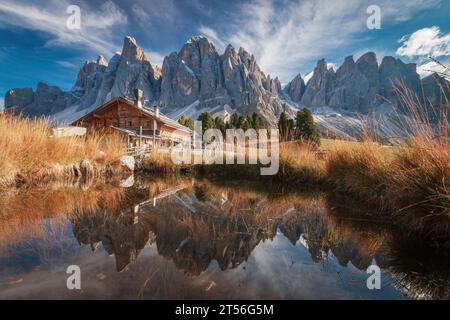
x=30, y=154
x=408, y=184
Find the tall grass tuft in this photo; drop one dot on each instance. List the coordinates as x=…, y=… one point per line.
x=28, y=147
x=160, y=162
x=361, y=170
x=299, y=164
x=421, y=183
x=411, y=180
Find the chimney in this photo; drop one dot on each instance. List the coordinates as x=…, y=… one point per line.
x=138, y=98
x=157, y=111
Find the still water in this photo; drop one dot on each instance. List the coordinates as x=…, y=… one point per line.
x=200, y=239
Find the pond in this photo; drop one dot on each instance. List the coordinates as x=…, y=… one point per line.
x=164, y=238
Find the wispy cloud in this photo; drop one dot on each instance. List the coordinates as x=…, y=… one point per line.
x=98, y=25
x=66, y=64
x=212, y=35
x=153, y=13
x=283, y=35
x=141, y=15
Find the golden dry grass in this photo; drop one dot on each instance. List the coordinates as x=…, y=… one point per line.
x=27, y=146
x=421, y=178
x=299, y=163
x=361, y=170
x=158, y=162
x=413, y=180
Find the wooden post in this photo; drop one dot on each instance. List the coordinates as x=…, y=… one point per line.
x=140, y=137
x=154, y=134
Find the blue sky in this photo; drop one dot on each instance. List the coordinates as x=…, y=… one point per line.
x=286, y=37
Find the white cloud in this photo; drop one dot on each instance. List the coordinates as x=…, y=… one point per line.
x=425, y=42
x=98, y=25
x=283, y=36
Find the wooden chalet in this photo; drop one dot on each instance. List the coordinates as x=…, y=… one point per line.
x=143, y=126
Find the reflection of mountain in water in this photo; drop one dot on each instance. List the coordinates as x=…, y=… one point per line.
x=185, y=229
x=202, y=223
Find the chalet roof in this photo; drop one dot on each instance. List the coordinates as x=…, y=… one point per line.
x=148, y=111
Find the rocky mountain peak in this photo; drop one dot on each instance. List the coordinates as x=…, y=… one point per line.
x=321, y=66
x=368, y=58
x=230, y=53
x=101, y=61
x=348, y=66
x=114, y=62
x=296, y=88
x=229, y=48
x=394, y=73
x=196, y=39
x=198, y=44
x=320, y=85
x=368, y=66
x=131, y=52
x=388, y=61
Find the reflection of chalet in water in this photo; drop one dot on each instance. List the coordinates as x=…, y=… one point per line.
x=140, y=124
